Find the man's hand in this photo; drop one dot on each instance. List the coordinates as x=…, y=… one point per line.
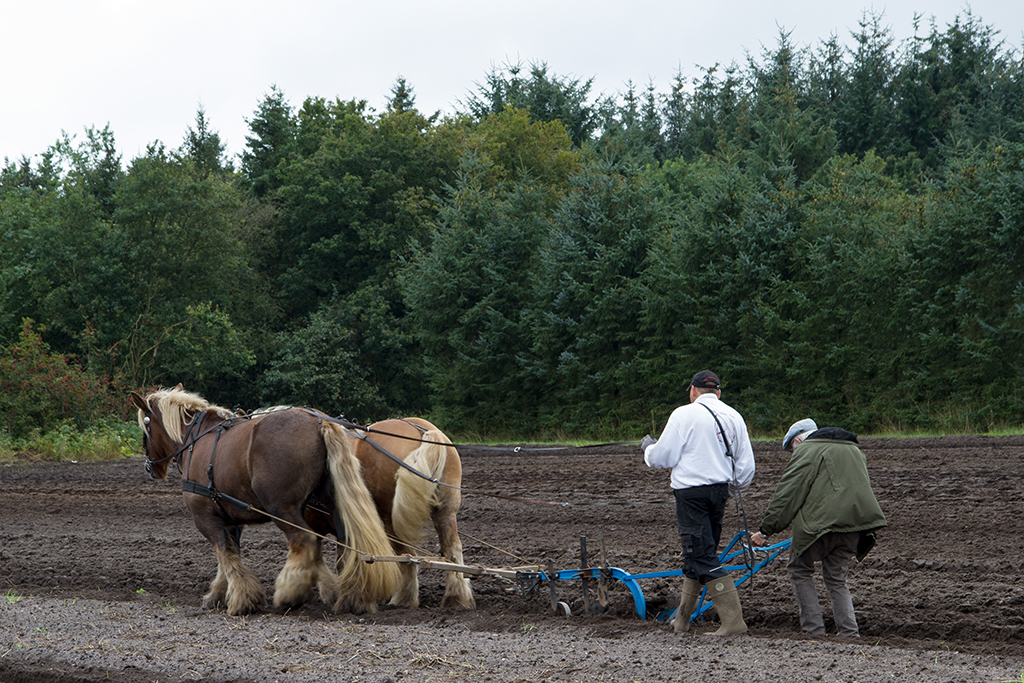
x=647, y=441
x=757, y=539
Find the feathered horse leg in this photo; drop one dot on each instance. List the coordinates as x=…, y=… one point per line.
x=418, y=501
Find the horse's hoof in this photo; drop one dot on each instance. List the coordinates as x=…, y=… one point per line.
x=212, y=602
x=242, y=610
x=284, y=605
x=348, y=606
x=459, y=600
x=328, y=595
x=407, y=603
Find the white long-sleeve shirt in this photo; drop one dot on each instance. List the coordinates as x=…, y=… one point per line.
x=691, y=445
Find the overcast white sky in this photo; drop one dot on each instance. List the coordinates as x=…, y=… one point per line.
x=144, y=66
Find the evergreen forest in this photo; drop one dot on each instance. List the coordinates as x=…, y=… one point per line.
x=837, y=230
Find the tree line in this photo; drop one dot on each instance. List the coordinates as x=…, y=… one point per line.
x=835, y=229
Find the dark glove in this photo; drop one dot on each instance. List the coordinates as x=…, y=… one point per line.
x=647, y=441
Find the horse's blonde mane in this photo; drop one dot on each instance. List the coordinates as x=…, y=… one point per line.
x=179, y=407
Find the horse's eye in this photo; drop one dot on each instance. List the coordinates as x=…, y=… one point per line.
x=145, y=420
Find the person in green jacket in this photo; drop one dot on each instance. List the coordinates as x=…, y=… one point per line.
x=825, y=492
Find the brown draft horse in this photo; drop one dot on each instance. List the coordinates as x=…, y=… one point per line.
x=408, y=502
x=270, y=463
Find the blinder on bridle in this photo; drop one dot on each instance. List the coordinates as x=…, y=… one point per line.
x=145, y=435
x=145, y=444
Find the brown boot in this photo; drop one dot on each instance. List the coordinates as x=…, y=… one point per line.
x=691, y=593
x=722, y=592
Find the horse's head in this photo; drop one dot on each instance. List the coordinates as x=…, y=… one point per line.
x=156, y=443
x=162, y=416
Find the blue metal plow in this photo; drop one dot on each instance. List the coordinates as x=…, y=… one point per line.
x=737, y=556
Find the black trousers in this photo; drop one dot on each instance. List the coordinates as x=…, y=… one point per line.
x=699, y=514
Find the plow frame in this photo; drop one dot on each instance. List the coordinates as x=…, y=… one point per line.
x=762, y=557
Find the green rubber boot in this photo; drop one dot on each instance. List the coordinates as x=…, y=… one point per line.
x=691, y=593
x=722, y=592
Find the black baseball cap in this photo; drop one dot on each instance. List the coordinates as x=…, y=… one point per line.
x=705, y=379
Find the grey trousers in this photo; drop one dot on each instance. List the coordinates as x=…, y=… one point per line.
x=835, y=552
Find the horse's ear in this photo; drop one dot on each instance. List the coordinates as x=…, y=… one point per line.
x=179, y=387
x=139, y=402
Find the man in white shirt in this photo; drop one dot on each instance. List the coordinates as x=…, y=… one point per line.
x=707, y=447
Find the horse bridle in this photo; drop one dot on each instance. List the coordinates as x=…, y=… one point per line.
x=188, y=441
x=145, y=447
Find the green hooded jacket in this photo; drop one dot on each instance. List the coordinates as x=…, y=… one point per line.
x=825, y=487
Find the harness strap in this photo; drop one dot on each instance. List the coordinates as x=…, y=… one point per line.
x=360, y=433
x=400, y=462
x=210, y=492
x=420, y=428
x=213, y=452
x=189, y=440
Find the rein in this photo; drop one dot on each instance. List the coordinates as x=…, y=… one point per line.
x=748, y=555
x=355, y=429
x=502, y=449
x=361, y=433
x=348, y=424
x=402, y=463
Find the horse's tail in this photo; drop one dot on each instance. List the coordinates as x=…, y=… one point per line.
x=361, y=584
x=414, y=495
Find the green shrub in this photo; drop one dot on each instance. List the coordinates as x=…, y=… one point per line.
x=102, y=441
x=41, y=391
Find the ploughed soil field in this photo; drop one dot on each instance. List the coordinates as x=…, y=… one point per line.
x=102, y=572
